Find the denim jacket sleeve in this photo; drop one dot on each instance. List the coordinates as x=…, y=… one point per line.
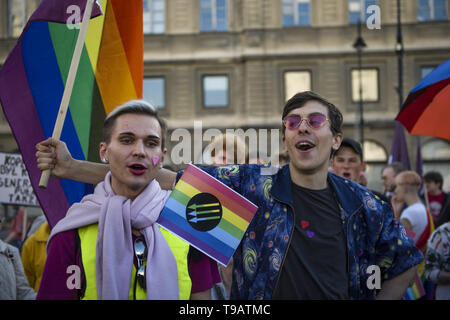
x=396, y=251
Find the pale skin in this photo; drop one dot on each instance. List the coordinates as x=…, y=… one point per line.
x=347, y=163
x=135, y=140
x=403, y=194
x=433, y=188
x=308, y=169
x=387, y=178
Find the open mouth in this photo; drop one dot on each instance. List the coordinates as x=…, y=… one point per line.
x=346, y=175
x=304, y=146
x=137, y=168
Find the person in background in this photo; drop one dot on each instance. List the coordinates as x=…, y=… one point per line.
x=438, y=200
x=225, y=149
x=348, y=162
x=414, y=217
x=35, y=218
x=388, y=175
x=13, y=282
x=18, y=228
x=437, y=261
x=34, y=254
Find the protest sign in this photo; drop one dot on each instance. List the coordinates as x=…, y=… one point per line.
x=15, y=185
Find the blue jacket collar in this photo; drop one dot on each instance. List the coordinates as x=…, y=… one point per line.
x=343, y=189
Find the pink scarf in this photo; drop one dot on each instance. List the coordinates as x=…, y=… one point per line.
x=116, y=216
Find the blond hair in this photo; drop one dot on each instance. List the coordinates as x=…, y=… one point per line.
x=410, y=178
x=229, y=142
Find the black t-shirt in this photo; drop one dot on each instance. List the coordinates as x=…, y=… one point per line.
x=316, y=263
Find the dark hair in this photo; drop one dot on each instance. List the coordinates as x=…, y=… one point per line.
x=301, y=98
x=352, y=144
x=133, y=107
x=434, y=176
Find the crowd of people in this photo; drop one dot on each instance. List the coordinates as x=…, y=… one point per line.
x=315, y=234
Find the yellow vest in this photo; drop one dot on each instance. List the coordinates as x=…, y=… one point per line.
x=88, y=241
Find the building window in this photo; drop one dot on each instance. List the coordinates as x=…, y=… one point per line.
x=376, y=158
x=154, y=16
x=369, y=79
x=296, y=81
x=16, y=17
x=424, y=71
x=436, y=157
x=431, y=10
x=357, y=10
x=154, y=91
x=296, y=13
x=213, y=15
x=215, y=91
x=436, y=149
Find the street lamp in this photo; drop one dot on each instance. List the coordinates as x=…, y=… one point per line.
x=359, y=45
x=399, y=50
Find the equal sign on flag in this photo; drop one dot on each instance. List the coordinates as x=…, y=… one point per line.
x=206, y=213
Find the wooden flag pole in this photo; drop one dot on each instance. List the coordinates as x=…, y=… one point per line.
x=43, y=182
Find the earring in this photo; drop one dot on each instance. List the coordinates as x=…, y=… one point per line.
x=104, y=160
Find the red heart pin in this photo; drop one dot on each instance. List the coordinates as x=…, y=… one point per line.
x=305, y=224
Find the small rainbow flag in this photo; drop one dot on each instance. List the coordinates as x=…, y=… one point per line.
x=416, y=289
x=208, y=214
x=33, y=78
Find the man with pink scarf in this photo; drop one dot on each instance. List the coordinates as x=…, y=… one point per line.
x=124, y=207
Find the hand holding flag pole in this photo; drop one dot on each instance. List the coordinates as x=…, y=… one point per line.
x=43, y=182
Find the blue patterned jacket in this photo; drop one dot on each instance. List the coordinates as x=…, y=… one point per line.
x=374, y=237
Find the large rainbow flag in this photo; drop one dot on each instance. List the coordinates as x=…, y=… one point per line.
x=33, y=77
x=207, y=214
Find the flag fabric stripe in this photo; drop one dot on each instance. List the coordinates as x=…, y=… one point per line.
x=180, y=232
x=32, y=82
x=217, y=232
x=231, y=228
x=180, y=197
x=399, y=149
x=415, y=290
x=190, y=191
x=56, y=10
x=83, y=90
x=113, y=53
x=229, y=199
x=413, y=110
x=438, y=74
x=127, y=24
x=220, y=187
x=41, y=66
x=201, y=240
x=14, y=91
x=93, y=38
x=427, y=124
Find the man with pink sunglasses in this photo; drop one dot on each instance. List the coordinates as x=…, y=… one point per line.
x=315, y=235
